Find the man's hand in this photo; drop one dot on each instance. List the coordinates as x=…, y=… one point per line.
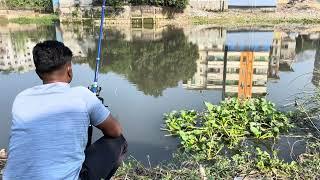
x=110, y=127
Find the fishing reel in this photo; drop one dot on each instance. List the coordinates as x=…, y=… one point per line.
x=94, y=88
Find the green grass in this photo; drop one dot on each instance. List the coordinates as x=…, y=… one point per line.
x=257, y=164
x=43, y=20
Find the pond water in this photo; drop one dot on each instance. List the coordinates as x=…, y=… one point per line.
x=146, y=72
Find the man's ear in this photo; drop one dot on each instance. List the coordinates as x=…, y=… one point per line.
x=69, y=72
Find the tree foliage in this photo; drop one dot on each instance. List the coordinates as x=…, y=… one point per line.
x=179, y=4
x=44, y=5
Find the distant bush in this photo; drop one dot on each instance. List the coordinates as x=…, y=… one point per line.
x=179, y=4
x=113, y=3
x=43, y=5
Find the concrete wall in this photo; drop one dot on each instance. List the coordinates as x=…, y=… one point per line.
x=123, y=15
x=253, y=3
x=69, y=3
x=213, y=5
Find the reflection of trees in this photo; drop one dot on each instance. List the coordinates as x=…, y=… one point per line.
x=152, y=65
x=20, y=38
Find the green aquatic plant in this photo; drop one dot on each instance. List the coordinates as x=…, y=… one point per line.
x=233, y=126
x=183, y=120
x=226, y=125
x=272, y=166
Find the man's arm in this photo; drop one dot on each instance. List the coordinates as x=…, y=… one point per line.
x=110, y=127
x=100, y=116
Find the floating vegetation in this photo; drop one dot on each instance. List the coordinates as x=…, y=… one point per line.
x=226, y=125
x=218, y=144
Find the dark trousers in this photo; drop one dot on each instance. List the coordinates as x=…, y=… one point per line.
x=103, y=158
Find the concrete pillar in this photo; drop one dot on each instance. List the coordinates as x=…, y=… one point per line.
x=85, y=2
x=67, y=3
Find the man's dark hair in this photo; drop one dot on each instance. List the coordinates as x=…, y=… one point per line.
x=49, y=56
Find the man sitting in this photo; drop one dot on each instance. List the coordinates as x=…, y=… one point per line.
x=50, y=123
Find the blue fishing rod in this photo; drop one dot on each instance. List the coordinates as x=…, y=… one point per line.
x=94, y=88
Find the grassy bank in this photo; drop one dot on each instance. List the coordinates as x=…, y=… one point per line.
x=256, y=19
x=227, y=19
x=186, y=167
x=41, y=20
x=233, y=139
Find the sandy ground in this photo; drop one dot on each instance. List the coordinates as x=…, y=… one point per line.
x=302, y=11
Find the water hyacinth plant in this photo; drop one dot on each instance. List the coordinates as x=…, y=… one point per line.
x=226, y=125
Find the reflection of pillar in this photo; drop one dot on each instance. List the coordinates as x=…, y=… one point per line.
x=274, y=66
x=245, y=75
x=85, y=2
x=55, y=5
x=59, y=33
x=67, y=3
x=225, y=59
x=275, y=53
x=316, y=69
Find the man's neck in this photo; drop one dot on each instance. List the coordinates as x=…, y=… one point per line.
x=53, y=81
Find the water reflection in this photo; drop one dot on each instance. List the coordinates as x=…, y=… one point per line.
x=283, y=53
x=149, y=71
x=16, y=44
x=252, y=59
x=158, y=58
x=316, y=70
x=153, y=65
x=237, y=63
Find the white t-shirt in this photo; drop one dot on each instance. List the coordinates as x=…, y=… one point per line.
x=49, y=131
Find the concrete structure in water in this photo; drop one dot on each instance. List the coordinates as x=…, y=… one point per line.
x=282, y=55
x=253, y=58
x=246, y=66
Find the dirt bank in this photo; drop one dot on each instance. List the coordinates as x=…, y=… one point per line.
x=295, y=13
x=300, y=12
